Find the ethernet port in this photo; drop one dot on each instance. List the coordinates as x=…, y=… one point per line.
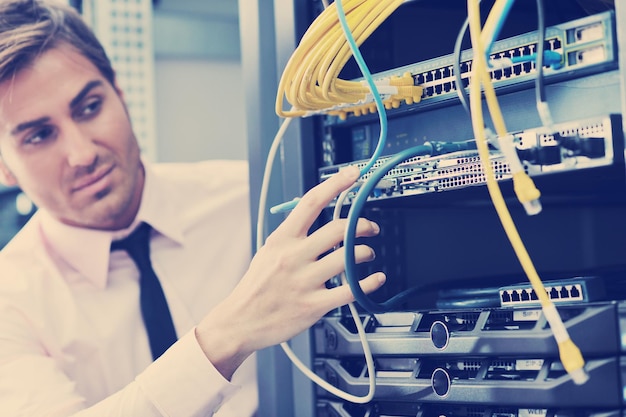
x=515, y=296
x=554, y=294
x=506, y=297
x=574, y=292
x=525, y=295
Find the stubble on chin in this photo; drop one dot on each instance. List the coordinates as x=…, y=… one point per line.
x=109, y=209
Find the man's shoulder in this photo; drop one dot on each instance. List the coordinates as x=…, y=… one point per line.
x=22, y=253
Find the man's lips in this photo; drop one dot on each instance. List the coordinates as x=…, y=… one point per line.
x=92, y=179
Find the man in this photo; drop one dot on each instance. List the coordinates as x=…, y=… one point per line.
x=72, y=334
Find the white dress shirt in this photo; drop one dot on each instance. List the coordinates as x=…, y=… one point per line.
x=72, y=340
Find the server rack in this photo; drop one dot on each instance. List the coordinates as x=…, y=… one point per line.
x=489, y=376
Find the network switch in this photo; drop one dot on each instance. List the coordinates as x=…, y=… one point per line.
x=568, y=147
x=576, y=48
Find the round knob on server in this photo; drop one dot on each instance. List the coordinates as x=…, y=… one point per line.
x=440, y=381
x=439, y=334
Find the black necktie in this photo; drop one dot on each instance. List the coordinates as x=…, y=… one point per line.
x=156, y=314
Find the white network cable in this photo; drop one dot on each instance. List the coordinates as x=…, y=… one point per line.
x=260, y=234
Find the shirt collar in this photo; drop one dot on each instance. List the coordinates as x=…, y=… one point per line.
x=92, y=260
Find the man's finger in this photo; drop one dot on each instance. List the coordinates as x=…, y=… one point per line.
x=332, y=234
x=300, y=220
x=333, y=263
x=342, y=295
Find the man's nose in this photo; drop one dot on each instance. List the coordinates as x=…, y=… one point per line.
x=80, y=147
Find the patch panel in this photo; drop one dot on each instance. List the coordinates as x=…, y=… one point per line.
x=575, y=48
x=431, y=174
x=571, y=146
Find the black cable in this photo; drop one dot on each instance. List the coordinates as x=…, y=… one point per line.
x=428, y=148
x=541, y=38
x=460, y=89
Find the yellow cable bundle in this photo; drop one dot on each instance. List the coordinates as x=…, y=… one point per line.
x=571, y=357
x=310, y=80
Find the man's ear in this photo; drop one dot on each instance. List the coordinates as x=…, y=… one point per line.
x=6, y=177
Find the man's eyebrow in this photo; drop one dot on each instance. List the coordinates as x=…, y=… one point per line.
x=86, y=89
x=77, y=99
x=27, y=125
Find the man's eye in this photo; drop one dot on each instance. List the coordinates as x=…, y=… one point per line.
x=39, y=136
x=90, y=108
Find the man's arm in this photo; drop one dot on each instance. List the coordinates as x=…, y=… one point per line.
x=33, y=384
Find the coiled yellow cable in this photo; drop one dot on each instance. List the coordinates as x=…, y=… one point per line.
x=310, y=81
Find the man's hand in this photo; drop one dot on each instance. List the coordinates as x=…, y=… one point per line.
x=284, y=292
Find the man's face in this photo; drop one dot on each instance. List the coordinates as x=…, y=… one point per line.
x=66, y=140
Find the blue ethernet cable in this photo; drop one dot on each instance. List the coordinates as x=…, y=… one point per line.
x=382, y=114
x=428, y=148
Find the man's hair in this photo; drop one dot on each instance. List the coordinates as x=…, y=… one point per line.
x=30, y=27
